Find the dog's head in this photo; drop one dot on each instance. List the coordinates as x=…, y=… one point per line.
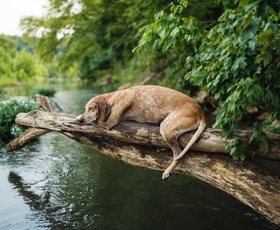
x=95, y=109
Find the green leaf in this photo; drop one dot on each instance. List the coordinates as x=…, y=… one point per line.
x=249, y=6
x=267, y=57
x=259, y=58
x=263, y=146
x=162, y=32
x=239, y=63
x=175, y=32
x=264, y=36
x=237, y=149
x=159, y=15
x=243, y=3
x=184, y=3
x=252, y=45
x=157, y=44
x=191, y=25
x=251, y=30
x=198, y=76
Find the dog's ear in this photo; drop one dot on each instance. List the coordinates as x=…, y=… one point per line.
x=104, y=110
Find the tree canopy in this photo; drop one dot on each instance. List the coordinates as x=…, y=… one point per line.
x=99, y=35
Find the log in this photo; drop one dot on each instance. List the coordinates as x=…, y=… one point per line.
x=143, y=133
x=141, y=145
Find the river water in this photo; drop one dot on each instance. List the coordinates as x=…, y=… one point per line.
x=57, y=183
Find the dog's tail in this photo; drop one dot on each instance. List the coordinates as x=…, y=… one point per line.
x=199, y=131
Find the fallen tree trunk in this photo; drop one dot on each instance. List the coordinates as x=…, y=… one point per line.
x=141, y=145
x=143, y=133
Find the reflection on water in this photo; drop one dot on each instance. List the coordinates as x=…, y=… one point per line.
x=57, y=183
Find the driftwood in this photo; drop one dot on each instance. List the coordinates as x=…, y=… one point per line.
x=141, y=145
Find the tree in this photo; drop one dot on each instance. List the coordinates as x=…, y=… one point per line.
x=17, y=66
x=94, y=33
x=235, y=58
x=24, y=66
x=100, y=35
x=21, y=45
x=7, y=52
x=7, y=44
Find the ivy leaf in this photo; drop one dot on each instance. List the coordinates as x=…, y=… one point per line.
x=198, y=72
x=239, y=63
x=198, y=76
x=263, y=146
x=251, y=30
x=237, y=149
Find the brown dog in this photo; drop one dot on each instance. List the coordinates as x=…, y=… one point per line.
x=175, y=112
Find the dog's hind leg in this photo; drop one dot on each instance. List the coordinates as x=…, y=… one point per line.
x=171, y=129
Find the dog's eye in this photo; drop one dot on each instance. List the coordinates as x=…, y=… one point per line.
x=90, y=108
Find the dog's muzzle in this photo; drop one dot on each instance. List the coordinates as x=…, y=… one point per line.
x=80, y=119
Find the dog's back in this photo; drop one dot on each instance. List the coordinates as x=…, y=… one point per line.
x=154, y=103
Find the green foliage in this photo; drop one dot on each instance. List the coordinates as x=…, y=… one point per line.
x=94, y=34
x=7, y=44
x=236, y=59
x=8, y=112
x=21, y=45
x=272, y=125
x=169, y=31
x=17, y=66
x=7, y=51
x=46, y=91
x=2, y=94
x=98, y=36
x=258, y=139
x=24, y=66
x=237, y=149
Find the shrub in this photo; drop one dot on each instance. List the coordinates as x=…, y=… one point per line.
x=8, y=111
x=46, y=91
x=2, y=94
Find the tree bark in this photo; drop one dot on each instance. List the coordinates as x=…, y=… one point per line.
x=141, y=145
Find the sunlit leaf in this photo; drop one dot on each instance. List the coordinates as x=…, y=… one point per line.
x=175, y=32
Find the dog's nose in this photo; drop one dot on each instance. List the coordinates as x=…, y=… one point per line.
x=80, y=119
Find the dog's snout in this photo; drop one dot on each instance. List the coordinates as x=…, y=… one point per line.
x=80, y=119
